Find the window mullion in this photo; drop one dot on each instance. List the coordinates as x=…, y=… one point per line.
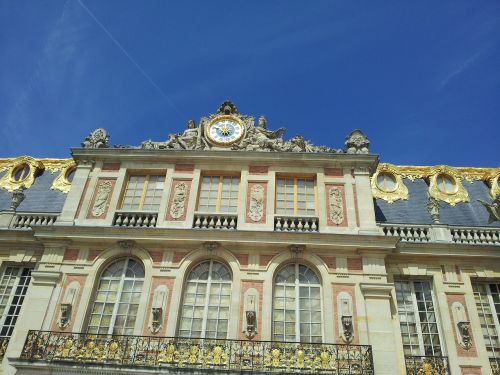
x=207, y=296
x=219, y=194
x=417, y=319
x=297, y=304
x=17, y=279
x=144, y=190
x=493, y=310
x=119, y=291
x=295, y=197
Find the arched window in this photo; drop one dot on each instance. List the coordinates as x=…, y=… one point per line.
x=117, y=298
x=297, y=305
x=207, y=296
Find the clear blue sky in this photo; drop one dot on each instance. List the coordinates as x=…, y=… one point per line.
x=420, y=78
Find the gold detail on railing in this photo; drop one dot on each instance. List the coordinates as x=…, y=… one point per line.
x=4, y=342
x=186, y=353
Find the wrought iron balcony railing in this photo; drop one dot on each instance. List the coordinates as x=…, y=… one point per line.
x=185, y=353
x=495, y=366
x=418, y=365
x=4, y=341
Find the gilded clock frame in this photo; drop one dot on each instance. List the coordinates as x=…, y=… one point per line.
x=221, y=118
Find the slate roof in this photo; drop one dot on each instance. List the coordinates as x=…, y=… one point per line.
x=414, y=210
x=39, y=197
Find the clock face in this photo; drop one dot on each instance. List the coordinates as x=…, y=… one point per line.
x=225, y=131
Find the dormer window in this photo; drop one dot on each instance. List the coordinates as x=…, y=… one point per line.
x=386, y=182
x=21, y=172
x=446, y=184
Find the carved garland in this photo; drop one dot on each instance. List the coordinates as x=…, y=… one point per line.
x=336, y=206
x=101, y=199
x=179, y=200
x=256, y=209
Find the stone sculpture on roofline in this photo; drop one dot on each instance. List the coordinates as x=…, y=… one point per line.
x=227, y=129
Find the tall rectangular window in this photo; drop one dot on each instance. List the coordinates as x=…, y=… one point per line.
x=295, y=196
x=417, y=318
x=219, y=194
x=487, y=298
x=143, y=193
x=14, y=283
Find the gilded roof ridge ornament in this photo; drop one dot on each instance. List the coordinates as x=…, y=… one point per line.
x=431, y=173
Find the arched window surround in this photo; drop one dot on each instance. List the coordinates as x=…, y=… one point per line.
x=209, y=297
x=195, y=257
x=307, y=309
x=319, y=266
x=98, y=266
x=116, y=301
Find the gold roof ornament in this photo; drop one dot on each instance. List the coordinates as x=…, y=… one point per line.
x=436, y=175
x=390, y=195
x=22, y=171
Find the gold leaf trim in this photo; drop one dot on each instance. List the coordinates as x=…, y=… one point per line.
x=400, y=192
x=488, y=175
x=8, y=181
x=459, y=195
x=53, y=165
x=61, y=182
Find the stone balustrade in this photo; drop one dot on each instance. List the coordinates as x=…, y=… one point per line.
x=28, y=220
x=476, y=235
x=215, y=221
x=296, y=224
x=135, y=219
x=407, y=233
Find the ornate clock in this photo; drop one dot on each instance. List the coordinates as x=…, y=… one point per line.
x=225, y=130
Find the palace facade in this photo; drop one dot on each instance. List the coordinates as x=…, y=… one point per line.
x=229, y=249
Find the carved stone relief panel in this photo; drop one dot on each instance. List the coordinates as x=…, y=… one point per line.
x=100, y=201
x=336, y=209
x=256, y=202
x=179, y=199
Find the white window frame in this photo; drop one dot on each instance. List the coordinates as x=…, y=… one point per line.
x=417, y=318
x=206, y=305
x=297, y=285
x=494, y=313
x=219, y=187
x=119, y=292
x=12, y=295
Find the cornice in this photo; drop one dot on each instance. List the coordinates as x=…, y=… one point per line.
x=225, y=156
x=182, y=237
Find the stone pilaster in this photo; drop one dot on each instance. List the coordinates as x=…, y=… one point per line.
x=380, y=327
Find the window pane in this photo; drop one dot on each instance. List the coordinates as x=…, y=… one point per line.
x=209, y=284
x=290, y=312
x=117, y=298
